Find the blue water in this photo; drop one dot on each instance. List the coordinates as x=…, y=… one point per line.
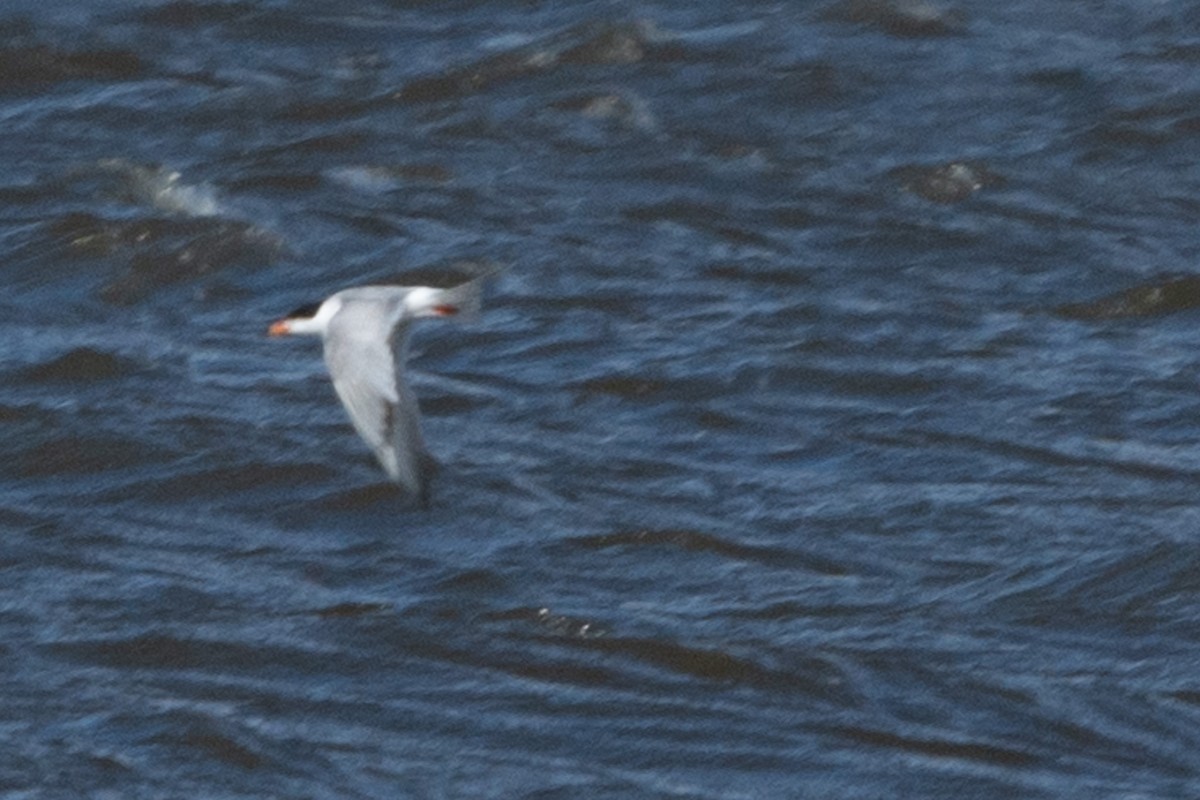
x=773, y=468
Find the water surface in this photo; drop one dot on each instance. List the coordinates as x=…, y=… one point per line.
x=773, y=469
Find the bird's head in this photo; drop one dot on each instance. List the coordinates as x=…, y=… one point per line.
x=310, y=319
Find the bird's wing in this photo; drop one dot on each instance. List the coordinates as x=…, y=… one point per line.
x=360, y=359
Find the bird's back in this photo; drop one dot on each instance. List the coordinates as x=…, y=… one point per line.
x=369, y=381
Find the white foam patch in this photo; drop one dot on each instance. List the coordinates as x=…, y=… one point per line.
x=163, y=189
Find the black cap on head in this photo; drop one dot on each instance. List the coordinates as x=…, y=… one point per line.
x=306, y=311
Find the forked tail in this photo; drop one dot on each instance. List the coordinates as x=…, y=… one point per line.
x=464, y=301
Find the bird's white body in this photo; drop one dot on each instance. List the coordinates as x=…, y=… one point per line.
x=365, y=332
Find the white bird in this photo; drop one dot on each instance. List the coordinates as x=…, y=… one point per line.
x=365, y=332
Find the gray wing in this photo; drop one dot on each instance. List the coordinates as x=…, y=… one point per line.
x=358, y=353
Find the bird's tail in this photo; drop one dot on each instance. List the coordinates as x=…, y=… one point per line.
x=465, y=298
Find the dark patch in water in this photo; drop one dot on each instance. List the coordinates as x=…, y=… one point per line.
x=82, y=364
x=221, y=477
x=698, y=542
x=941, y=748
x=109, y=764
x=31, y=65
x=164, y=651
x=19, y=413
x=1180, y=294
x=163, y=251
x=862, y=382
x=812, y=81
x=1145, y=126
x=150, y=651
x=223, y=749
x=625, y=386
x=84, y=454
x=716, y=421
x=812, y=677
x=593, y=44
x=437, y=405
x=1186, y=53
x=707, y=664
x=474, y=580
x=351, y=610
x=1192, y=697
x=89, y=234
x=363, y=497
x=905, y=18
x=225, y=244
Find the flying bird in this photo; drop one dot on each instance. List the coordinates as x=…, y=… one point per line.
x=365, y=332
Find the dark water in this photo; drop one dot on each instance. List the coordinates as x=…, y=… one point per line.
x=770, y=470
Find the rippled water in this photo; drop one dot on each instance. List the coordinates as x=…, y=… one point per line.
x=825, y=434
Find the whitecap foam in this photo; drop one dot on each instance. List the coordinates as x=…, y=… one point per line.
x=163, y=189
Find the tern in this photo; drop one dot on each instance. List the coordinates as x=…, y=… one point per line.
x=365, y=332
